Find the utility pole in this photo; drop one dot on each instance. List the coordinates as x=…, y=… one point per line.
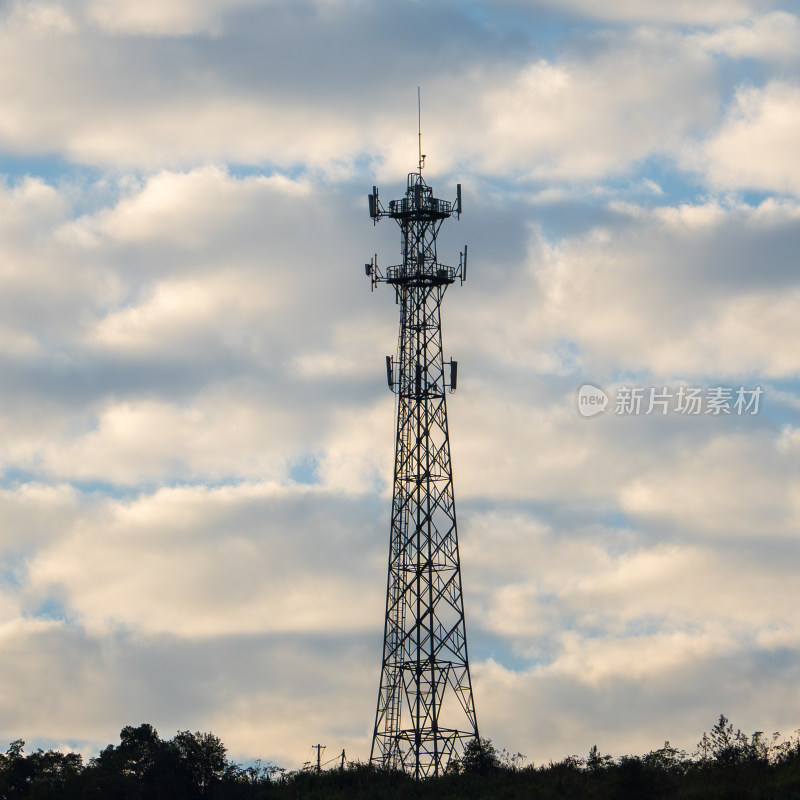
x=319, y=748
x=425, y=711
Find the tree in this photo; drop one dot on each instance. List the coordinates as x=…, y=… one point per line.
x=202, y=757
x=666, y=758
x=142, y=766
x=595, y=762
x=139, y=752
x=41, y=774
x=512, y=761
x=726, y=746
x=480, y=757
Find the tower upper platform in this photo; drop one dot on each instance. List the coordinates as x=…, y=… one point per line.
x=419, y=204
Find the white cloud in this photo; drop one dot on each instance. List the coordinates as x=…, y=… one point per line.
x=594, y=113
x=183, y=314
x=40, y=19
x=36, y=514
x=705, y=495
x=618, y=626
x=350, y=351
x=561, y=120
x=697, y=290
x=163, y=17
x=771, y=36
x=194, y=562
x=216, y=436
x=136, y=110
x=638, y=658
x=583, y=116
x=756, y=146
x=555, y=715
x=620, y=587
x=684, y=12
x=328, y=691
x=174, y=326
x=357, y=452
x=187, y=209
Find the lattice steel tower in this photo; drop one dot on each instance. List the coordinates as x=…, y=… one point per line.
x=425, y=712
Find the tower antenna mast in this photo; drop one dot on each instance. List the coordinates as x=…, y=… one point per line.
x=419, y=128
x=425, y=712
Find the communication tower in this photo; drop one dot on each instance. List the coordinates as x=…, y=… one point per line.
x=425, y=712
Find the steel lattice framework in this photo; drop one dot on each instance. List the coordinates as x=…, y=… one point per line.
x=425, y=712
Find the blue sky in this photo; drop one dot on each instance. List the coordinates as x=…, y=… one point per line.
x=196, y=433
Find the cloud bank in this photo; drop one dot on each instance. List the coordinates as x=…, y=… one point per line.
x=197, y=441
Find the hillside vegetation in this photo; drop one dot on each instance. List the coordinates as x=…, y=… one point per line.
x=727, y=764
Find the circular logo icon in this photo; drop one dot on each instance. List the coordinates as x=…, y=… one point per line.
x=591, y=400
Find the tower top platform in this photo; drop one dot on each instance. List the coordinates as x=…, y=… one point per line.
x=419, y=204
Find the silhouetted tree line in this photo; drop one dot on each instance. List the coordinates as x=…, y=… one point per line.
x=727, y=765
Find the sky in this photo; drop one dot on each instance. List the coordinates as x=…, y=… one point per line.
x=196, y=437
